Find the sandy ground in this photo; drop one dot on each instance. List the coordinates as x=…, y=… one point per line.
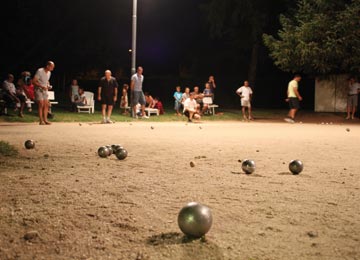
x=61, y=201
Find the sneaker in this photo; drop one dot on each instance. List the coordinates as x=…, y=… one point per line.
x=289, y=120
x=145, y=116
x=108, y=121
x=103, y=121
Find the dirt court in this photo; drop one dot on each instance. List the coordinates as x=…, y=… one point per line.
x=61, y=201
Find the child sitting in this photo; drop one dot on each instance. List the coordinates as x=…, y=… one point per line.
x=80, y=100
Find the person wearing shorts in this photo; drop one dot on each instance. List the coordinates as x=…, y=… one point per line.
x=352, y=98
x=294, y=98
x=245, y=93
x=107, y=95
x=42, y=84
x=137, y=92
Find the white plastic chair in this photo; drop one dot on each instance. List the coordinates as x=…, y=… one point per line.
x=90, y=107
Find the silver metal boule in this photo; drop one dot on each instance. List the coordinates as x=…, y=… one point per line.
x=111, y=151
x=248, y=166
x=29, y=144
x=121, y=153
x=103, y=152
x=195, y=219
x=296, y=166
x=116, y=147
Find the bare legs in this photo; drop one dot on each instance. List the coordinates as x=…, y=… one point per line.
x=106, y=114
x=352, y=110
x=244, y=113
x=43, y=106
x=292, y=113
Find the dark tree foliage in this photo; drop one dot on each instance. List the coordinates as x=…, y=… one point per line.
x=320, y=37
x=241, y=23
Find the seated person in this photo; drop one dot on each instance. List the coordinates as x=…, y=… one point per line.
x=207, y=97
x=190, y=108
x=14, y=96
x=149, y=100
x=73, y=93
x=198, y=98
x=158, y=105
x=80, y=99
x=124, y=103
x=185, y=95
x=26, y=88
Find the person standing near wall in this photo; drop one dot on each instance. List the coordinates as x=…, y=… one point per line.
x=294, y=98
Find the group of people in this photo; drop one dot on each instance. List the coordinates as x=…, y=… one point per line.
x=28, y=90
x=194, y=104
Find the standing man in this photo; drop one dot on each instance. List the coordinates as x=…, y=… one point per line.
x=245, y=92
x=352, y=97
x=107, y=95
x=294, y=98
x=212, y=86
x=137, y=92
x=42, y=85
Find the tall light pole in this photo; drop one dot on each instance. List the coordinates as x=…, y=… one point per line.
x=133, y=45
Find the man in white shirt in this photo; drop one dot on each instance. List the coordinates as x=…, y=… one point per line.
x=245, y=93
x=137, y=92
x=352, y=98
x=42, y=85
x=190, y=108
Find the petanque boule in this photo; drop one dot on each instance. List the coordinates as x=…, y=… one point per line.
x=248, y=166
x=121, y=153
x=195, y=220
x=103, y=152
x=111, y=151
x=116, y=147
x=29, y=144
x=296, y=166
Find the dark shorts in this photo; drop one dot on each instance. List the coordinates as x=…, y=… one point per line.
x=294, y=103
x=187, y=114
x=107, y=100
x=138, y=97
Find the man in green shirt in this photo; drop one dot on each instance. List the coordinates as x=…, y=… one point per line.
x=294, y=98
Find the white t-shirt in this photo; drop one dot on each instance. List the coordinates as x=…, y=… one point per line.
x=245, y=92
x=138, y=81
x=354, y=88
x=9, y=86
x=43, y=77
x=190, y=104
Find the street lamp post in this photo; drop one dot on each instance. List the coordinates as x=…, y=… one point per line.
x=133, y=45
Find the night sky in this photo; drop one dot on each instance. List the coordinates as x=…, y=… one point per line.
x=173, y=44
